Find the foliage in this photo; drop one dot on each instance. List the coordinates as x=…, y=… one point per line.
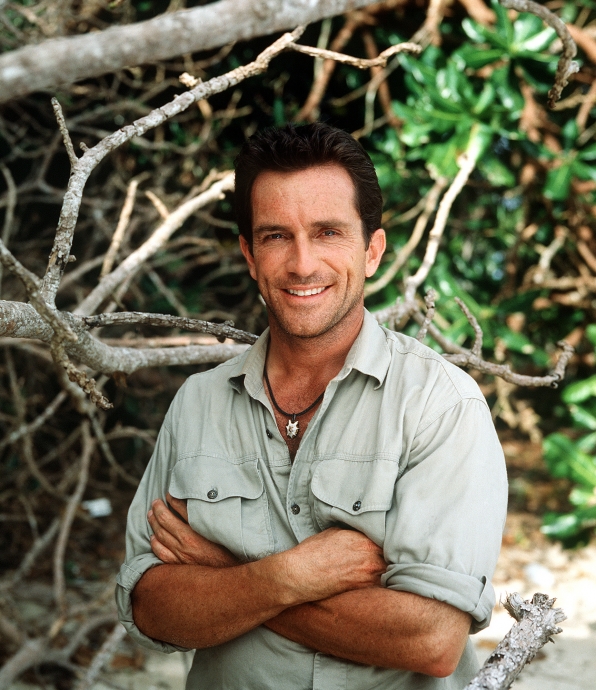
x=575, y=459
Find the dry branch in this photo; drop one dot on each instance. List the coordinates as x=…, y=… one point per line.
x=19, y=320
x=67, y=520
x=536, y=624
x=567, y=66
x=167, y=321
x=360, y=63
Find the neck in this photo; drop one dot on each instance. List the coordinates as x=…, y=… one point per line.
x=319, y=358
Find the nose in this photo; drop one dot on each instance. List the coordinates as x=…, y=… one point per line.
x=303, y=259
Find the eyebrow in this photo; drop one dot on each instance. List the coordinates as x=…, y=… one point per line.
x=330, y=223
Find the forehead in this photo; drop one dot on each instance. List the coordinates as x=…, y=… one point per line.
x=317, y=190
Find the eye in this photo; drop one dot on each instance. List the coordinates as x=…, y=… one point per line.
x=274, y=236
x=329, y=233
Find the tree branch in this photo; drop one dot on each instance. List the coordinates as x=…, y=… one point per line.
x=58, y=62
x=536, y=624
x=219, y=330
x=567, y=66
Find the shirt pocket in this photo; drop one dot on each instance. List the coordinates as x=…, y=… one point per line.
x=354, y=493
x=226, y=503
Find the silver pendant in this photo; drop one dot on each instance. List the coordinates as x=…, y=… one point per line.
x=292, y=429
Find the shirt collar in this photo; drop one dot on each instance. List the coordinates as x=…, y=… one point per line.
x=369, y=355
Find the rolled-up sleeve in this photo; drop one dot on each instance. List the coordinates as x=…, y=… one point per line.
x=443, y=533
x=139, y=557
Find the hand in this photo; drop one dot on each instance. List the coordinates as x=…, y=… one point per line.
x=332, y=562
x=174, y=541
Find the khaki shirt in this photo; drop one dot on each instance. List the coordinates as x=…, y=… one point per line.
x=402, y=448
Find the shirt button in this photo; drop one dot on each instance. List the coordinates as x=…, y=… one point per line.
x=269, y=434
x=356, y=507
x=212, y=494
x=295, y=509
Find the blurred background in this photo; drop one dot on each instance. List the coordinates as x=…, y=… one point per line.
x=519, y=249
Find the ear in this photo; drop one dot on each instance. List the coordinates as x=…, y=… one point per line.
x=250, y=259
x=376, y=248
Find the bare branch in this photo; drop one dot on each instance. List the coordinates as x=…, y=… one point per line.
x=72, y=156
x=103, y=657
x=11, y=202
x=467, y=163
x=167, y=321
x=76, y=376
x=429, y=204
x=41, y=543
x=118, y=236
x=429, y=300
x=536, y=624
x=69, y=514
x=477, y=346
x=110, y=282
x=19, y=320
x=456, y=354
x=360, y=63
x=567, y=66
x=36, y=423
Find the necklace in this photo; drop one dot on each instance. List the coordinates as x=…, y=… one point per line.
x=292, y=428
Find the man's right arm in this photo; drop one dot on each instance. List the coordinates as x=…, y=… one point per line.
x=199, y=606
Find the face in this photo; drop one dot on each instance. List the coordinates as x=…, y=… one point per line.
x=308, y=255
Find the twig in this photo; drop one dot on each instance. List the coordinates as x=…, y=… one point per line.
x=478, y=335
x=467, y=163
x=109, y=283
x=585, y=108
x=11, y=202
x=160, y=207
x=77, y=376
x=106, y=450
x=429, y=300
x=167, y=293
x=36, y=423
x=36, y=550
x=536, y=624
x=69, y=514
x=548, y=254
x=566, y=66
x=429, y=31
x=72, y=156
x=360, y=63
x=429, y=204
x=461, y=356
x=103, y=657
x=118, y=236
x=309, y=110
x=167, y=321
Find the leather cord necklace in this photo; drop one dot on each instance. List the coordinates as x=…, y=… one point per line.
x=292, y=428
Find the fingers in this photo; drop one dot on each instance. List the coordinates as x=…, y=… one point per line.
x=162, y=552
x=178, y=507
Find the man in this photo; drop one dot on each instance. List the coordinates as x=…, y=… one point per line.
x=337, y=493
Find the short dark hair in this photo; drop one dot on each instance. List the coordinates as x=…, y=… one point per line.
x=293, y=148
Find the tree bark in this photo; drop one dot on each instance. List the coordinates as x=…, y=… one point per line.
x=59, y=62
x=536, y=623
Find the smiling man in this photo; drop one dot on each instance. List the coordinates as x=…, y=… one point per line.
x=324, y=511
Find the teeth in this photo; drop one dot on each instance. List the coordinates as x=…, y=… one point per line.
x=305, y=293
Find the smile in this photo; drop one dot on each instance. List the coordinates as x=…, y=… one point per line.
x=306, y=293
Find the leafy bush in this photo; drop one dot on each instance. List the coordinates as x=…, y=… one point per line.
x=575, y=459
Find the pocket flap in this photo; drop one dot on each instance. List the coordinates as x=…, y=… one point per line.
x=355, y=486
x=212, y=479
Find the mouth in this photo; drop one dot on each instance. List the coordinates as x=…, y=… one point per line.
x=306, y=293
